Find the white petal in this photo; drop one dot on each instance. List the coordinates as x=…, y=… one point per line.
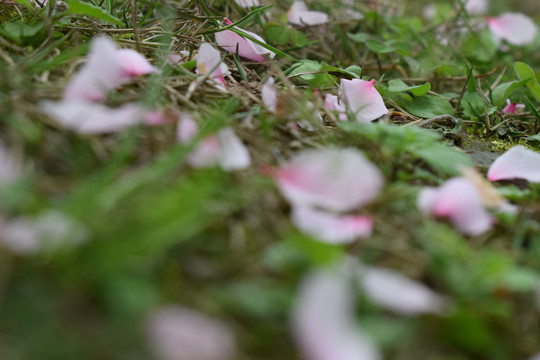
x=209, y=58
x=476, y=7
x=186, y=129
x=300, y=15
x=363, y=99
x=248, y=3
x=516, y=163
x=269, y=95
x=233, y=153
x=334, y=179
x=331, y=228
x=178, y=333
x=516, y=28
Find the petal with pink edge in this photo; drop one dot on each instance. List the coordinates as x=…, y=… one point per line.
x=332, y=103
x=363, y=99
x=134, y=64
x=516, y=163
x=179, y=333
x=300, y=15
x=269, y=95
x=331, y=228
x=333, y=179
x=458, y=200
x=209, y=59
x=516, y=28
x=231, y=41
x=398, y=293
x=323, y=320
x=92, y=118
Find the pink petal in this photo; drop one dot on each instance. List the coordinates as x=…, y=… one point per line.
x=133, y=64
x=300, y=15
x=334, y=179
x=92, y=118
x=332, y=103
x=459, y=201
x=269, y=95
x=363, y=99
x=331, y=228
x=177, y=59
x=179, y=333
x=323, y=320
x=516, y=163
x=516, y=28
x=248, y=3
x=234, y=155
x=231, y=41
x=476, y=7
x=10, y=168
x=187, y=129
x=397, y=293
x=209, y=58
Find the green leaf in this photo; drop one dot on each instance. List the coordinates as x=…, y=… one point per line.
x=479, y=48
x=26, y=3
x=277, y=34
x=442, y=158
x=397, y=85
x=503, y=91
x=380, y=47
x=17, y=30
x=78, y=8
x=524, y=72
x=428, y=106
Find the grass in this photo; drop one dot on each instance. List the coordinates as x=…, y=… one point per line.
x=160, y=232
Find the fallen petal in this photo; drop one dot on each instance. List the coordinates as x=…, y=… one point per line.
x=476, y=7
x=232, y=42
x=398, y=293
x=333, y=179
x=248, y=3
x=516, y=28
x=516, y=163
x=133, y=64
x=300, y=15
x=363, y=99
x=332, y=103
x=187, y=129
x=209, y=59
x=331, y=228
x=179, y=333
x=269, y=95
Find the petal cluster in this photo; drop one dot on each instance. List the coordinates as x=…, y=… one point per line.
x=232, y=42
x=459, y=200
x=516, y=163
x=300, y=15
x=515, y=28
x=363, y=100
x=223, y=148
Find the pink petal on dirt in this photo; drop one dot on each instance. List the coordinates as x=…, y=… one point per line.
x=231, y=41
x=134, y=64
x=516, y=163
x=516, y=28
x=331, y=228
x=363, y=99
x=300, y=15
x=323, y=320
x=332, y=103
x=333, y=179
x=458, y=200
x=92, y=118
x=179, y=333
x=248, y=3
x=398, y=293
x=209, y=58
x=476, y=7
x=269, y=95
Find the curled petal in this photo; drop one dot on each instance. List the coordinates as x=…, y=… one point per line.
x=516, y=28
x=332, y=103
x=363, y=99
x=398, y=293
x=323, y=320
x=331, y=228
x=458, y=200
x=232, y=42
x=179, y=333
x=333, y=179
x=248, y=3
x=92, y=118
x=300, y=15
x=516, y=163
x=209, y=59
x=269, y=95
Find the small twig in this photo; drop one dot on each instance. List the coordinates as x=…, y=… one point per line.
x=433, y=120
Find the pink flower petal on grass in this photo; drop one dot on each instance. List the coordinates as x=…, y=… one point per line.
x=92, y=118
x=323, y=320
x=231, y=41
x=300, y=15
x=106, y=69
x=458, y=200
x=209, y=59
x=179, y=333
x=398, y=293
x=269, y=95
x=516, y=163
x=331, y=228
x=512, y=107
x=333, y=179
x=332, y=103
x=363, y=99
x=516, y=28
